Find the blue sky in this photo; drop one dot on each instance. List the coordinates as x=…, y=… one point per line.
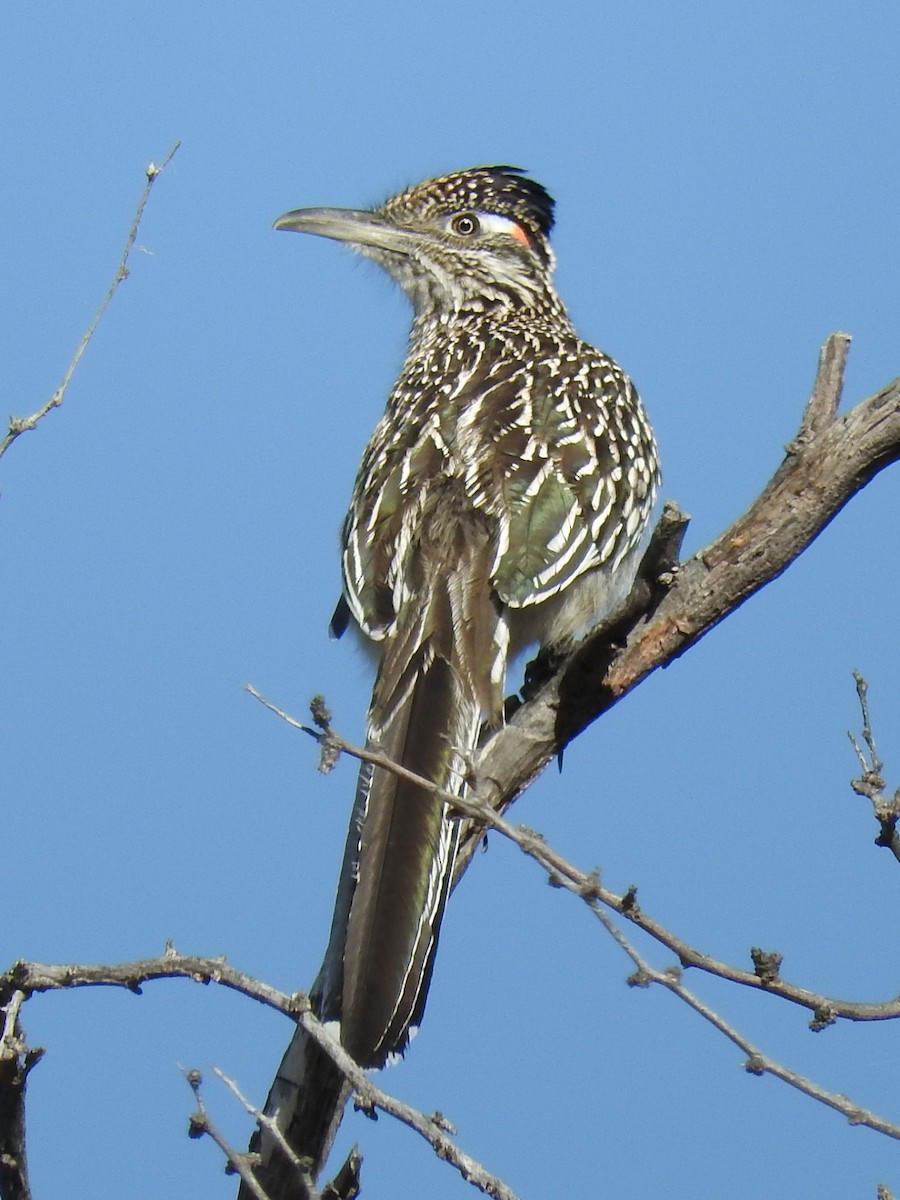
x=726, y=178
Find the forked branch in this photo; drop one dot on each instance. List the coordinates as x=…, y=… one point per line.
x=871, y=782
x=24, y=979
x=829, y=461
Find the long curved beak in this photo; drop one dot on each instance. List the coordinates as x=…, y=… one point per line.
x=354, y=226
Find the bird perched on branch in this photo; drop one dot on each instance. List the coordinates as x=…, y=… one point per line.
x=501, y=501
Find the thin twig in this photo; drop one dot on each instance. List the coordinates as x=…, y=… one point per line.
x=433, y=1129
x=872, y=784
x=271, y=1127
x=757, y=1062
x=19, y=425
x=874, y=765
x=588, y=887
x=200, y=1124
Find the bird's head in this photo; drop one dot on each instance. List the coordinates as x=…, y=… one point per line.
x=476, y=240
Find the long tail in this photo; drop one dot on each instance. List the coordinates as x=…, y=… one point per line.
x=406, y=847
x=395, y=877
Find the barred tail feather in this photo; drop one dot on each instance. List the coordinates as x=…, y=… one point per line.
x=406, y=854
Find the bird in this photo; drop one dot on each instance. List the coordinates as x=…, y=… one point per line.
x=501, y=503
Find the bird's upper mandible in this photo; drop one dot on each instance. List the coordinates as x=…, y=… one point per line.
x=469, y=239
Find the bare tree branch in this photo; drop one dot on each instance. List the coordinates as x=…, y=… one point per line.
x=433, y=1129
x=201, y=1124
x=16, y=1060
x=19, y=425
x=25, y=978
x=272, y=1129
x=830, y=460
x=825, y=398
x=872, y=784
x=757, y=1063
x=588, y=887
x=765, y=975
x=29, y=978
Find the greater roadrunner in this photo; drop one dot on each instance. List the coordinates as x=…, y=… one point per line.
x=500, y=502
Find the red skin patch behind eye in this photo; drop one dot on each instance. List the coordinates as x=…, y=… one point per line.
x=520, y=235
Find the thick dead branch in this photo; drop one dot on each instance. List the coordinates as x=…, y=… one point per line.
x=830, y=460
x=16, y=1060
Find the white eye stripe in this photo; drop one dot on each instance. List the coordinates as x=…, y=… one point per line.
x=475, y=223
x=485, y=222
x=492, y=223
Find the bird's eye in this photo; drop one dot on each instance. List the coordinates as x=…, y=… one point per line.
x=465, y=224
